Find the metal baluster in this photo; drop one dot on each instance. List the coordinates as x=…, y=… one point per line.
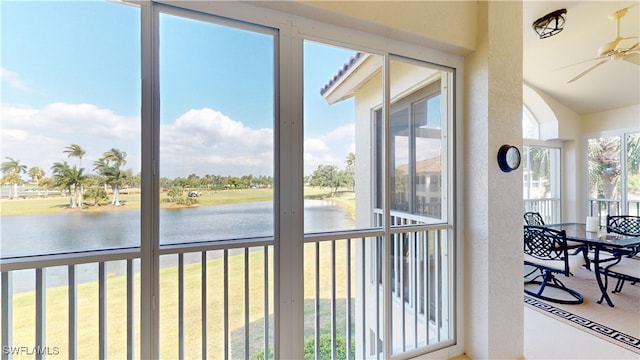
x=181, y=305
x=203, y=290
x=226, y=302
x=415, y=260
x=41, y=309
x=7, y=312
x=266, y=302
x=348, y=304
x=246, y=303
x=130, y=320
x=72, y=287
x=102, y=311
x=317, y=303
x=427, y=290
x=401, y=264
x=333, y=299
x=378, y=266
x=438, y=277
x=363, y=289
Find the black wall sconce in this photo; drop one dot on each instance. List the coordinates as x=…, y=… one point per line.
x=508, y=158
x=550, y=24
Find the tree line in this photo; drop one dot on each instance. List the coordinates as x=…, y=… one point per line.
x=73, y=180
x=332, y=177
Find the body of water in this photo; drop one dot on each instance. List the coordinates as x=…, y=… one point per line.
x=24, y=235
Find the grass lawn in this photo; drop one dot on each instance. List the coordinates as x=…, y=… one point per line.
x=87, y=293
x=87, y=307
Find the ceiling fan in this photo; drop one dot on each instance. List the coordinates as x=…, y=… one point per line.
x=610, y=50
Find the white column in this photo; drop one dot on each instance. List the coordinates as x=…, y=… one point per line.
x=289, y=248
x=493, y=199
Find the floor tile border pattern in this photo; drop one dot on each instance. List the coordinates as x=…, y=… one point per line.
x=602, y=330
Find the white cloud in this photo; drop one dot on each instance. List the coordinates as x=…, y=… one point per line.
x=37, y=137
x=13, y=79
x=331, y=147
x=315, y=145
x=206, y=141
x=202, y=141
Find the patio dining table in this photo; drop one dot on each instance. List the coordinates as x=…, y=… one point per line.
x=598, y=241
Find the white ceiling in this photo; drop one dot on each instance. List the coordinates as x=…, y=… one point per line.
x=612, y=85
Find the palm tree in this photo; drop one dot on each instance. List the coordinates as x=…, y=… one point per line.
x=74, y=150
x=69, y=178
x=351, y=160
x=36, y=173
x=46, y=183
x=633, y=154
x=605, y=170
x=12, y=166
x=109, y=167
x=351, y=170
x=604, y=165
x=539, y=165
x=59, y=172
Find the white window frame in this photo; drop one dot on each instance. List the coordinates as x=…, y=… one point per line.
x=288, y=205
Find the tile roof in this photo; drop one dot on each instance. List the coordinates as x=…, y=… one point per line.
x=341, y=72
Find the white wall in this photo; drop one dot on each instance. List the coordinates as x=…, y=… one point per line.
x=627, y=118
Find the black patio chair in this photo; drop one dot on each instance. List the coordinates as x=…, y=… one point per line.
x=546, y=251
x=624, y=224
x=533, y=218
x=626, y=262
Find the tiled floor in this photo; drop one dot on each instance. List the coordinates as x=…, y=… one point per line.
x=546, y=338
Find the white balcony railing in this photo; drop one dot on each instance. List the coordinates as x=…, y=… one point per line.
x=216, y=298
x=549, y=208
x=602, y=207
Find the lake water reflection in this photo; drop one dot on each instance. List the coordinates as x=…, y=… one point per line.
x=80, y=231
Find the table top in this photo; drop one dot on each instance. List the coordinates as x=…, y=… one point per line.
x=577, y=232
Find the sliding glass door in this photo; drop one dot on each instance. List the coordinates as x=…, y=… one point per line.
x=216, y=171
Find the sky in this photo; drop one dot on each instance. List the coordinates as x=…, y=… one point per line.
x=70, y=74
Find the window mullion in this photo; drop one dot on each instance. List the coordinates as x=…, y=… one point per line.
x=150, y=203
x=386, y=265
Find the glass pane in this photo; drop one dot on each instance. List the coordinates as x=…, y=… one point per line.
x=541, y=190
x=337, y=187
x=633, y=174
x=70, y=138
x=604, y=175
x=530, y=126
x=428, y=189
x=216, y=167
x=417, y=143
x=216, y=133
x=400, y=161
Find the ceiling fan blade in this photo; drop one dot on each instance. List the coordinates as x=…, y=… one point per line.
x=578, y=63
x=632, y=58
x=634, y=47
x=586, y=71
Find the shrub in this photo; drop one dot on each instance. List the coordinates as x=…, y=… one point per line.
x=325, y=348
x=310, y=349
